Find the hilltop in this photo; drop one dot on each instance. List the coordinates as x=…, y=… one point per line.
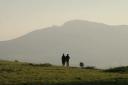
x=17, y=73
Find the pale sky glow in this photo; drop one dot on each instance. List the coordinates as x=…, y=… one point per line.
x=18, y=17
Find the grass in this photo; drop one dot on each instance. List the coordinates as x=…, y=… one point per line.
x=17, y=73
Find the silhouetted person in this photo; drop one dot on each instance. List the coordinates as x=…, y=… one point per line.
x=67, y=60
x=63, y=59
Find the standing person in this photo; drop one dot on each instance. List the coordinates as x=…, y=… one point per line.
x=63, y=59
x=67, y=60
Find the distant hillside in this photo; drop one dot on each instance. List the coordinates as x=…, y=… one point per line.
x=93, y=43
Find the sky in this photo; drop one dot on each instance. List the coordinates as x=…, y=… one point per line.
x=18, y=17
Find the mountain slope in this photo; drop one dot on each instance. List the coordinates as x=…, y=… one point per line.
x=93, y=43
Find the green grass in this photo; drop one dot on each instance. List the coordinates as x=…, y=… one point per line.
x=17, y=73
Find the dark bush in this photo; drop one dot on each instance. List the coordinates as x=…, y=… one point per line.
x=90, y=67
x=16, y=61
x=43, y=65
x=118, y=69
x=81, y=64
x=46, y=65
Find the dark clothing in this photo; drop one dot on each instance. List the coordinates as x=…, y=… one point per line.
x=67, y=60
x=63, y=60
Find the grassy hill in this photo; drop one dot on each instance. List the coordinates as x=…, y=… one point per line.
x=17, y=73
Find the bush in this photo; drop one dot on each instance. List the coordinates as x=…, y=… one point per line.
x=46, y=65
x=16, y=61
x=90, y=67
x=43, y=65
x=118, y=69
x=81, y=64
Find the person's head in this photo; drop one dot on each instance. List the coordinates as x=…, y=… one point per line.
x=63, y=54
x=67, y=54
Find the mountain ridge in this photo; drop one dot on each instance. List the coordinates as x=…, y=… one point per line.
x=94, y=44
x=66, y=23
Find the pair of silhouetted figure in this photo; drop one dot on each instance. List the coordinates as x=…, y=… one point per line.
x=65, y=60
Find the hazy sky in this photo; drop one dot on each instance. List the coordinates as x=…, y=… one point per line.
x=18, y=17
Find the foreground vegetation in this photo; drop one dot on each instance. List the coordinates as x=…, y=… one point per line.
x=17, y=73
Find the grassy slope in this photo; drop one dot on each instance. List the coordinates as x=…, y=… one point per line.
x=16, y=73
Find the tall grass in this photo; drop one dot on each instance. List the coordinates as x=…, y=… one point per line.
x=17, y=73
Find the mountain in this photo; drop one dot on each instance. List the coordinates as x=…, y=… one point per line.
x=93, y=43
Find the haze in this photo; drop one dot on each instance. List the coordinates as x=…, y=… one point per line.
x=18, y=17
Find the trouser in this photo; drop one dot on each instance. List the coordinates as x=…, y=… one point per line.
x=67, y=63
x=63, y=63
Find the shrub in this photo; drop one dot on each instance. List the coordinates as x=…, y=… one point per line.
x=90, y=67
x=81, y=64
x=118, y=69
x=46, y=65
x=16, y=61
x=43, y=65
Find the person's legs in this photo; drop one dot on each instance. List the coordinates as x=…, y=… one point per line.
x=67, y=63
x=63, y=63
